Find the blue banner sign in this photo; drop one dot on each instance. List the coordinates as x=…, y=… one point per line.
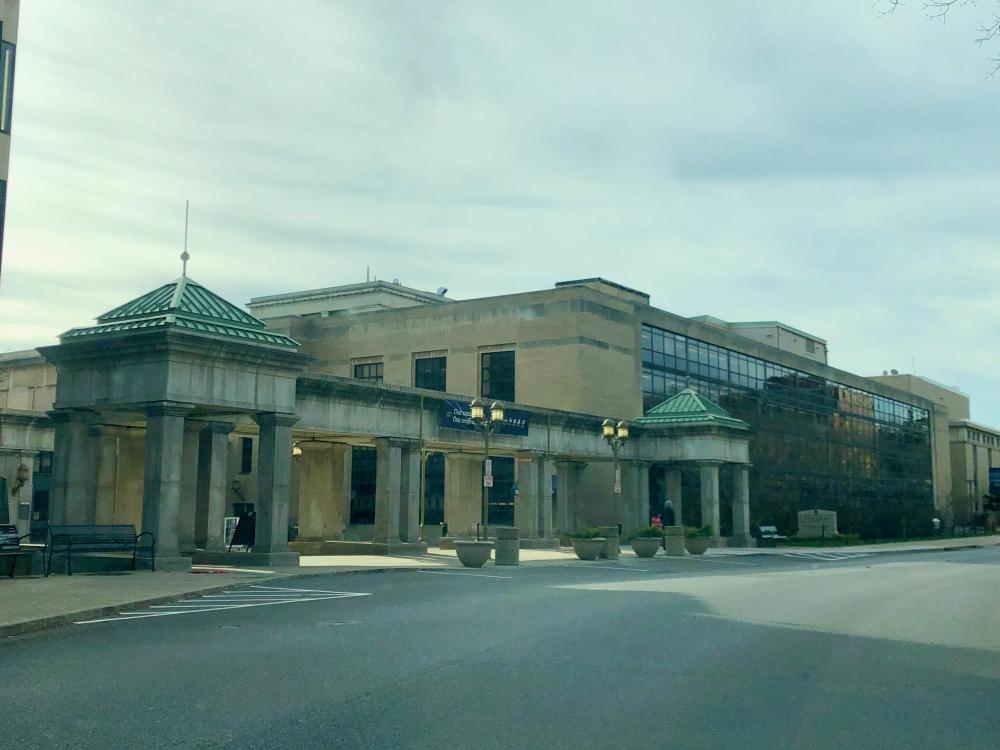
x=995, y=482
x=455, y=416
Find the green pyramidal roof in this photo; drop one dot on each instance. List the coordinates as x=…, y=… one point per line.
x=689, y=408
x=187, y=305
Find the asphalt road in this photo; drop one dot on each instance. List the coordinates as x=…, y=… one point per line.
x=779, y=652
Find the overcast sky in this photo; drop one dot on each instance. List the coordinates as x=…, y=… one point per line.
x=811, y=162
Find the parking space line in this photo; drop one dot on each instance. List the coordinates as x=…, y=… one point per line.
x=458, y=573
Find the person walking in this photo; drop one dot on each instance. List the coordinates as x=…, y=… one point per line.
x=668, y=516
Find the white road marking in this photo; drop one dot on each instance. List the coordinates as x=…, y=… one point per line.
x=221, y=602
x=607, y=567
x=825, y=556
x=707, y=558
x=457, y=573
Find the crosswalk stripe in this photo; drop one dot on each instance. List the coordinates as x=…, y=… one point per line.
x=226, y=601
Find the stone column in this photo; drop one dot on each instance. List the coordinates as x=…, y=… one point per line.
x=75, y=464
x=675, y=493
x=213, y=477
x=741, y=508
x=107, y=477
x=636, y=513
x=61, y=459
x=462, y=493
x=189, y=486
x=388, y=482
x=409, y=505
x=546, y=527
x=569, y=475
x=710, y=496
x=315, y=491
x=274, y=468
x=526, y=502
x=161, y=491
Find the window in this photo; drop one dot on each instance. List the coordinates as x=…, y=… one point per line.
x=810, y=346
x=497, y=371
x=370, y=371
x=6, y=85
x=246, y=455
x=430, y=373
x=45, y=462
x=434, y=489
x=364, y=467
x=813, y=440
x=3, y=210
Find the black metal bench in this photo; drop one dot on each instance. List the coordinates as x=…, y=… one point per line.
x=769, y=536
x=10, y=545
x=109, y=538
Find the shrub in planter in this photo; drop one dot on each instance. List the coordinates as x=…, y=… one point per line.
x=587, y=543
x=646, y=541
x=697, y=541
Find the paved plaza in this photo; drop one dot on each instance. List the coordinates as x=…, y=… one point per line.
x=767, y=650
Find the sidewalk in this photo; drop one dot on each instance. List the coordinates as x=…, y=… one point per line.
x=29, y=604
x=922, y=545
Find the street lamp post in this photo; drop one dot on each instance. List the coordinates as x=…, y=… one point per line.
x=616, y=435
x=485, y=425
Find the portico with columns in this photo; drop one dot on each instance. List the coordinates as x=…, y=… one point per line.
x=701, y=434
x=156, y=402
x=179, y=368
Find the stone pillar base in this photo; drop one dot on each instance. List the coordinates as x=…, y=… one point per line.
x=243, y=559
x=741, y=540
x=673, y=541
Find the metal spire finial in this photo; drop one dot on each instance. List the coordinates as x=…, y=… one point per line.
x=185, y=256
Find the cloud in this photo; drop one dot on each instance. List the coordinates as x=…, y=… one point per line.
x=810, y=162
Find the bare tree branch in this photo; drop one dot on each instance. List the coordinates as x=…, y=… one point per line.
x=941, y=10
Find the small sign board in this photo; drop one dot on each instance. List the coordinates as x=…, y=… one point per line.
x=230, y=528
x=618, y=480
x=487, y=480
x=817, y=523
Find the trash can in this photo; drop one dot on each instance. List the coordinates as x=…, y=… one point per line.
x=506, y=551
x=610, y=534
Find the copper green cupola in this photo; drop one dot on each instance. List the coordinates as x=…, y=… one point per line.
x=186, y=305
x=690, y=409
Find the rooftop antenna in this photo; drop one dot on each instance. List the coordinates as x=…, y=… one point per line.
x=185, y=256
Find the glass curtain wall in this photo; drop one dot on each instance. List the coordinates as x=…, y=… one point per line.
x=814, y=443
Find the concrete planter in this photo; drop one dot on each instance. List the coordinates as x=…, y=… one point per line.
x=646, y=547
x=697, y=545
x=473, y=554
x=588, y=549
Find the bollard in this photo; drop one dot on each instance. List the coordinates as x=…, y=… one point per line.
x=611, y=548
x=507, y=549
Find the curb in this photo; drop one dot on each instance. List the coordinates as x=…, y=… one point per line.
x=55, y=621
x=905, y=550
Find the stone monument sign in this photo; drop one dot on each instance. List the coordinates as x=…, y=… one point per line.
x=817, y=523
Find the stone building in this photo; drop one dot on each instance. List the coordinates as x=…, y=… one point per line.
x=337, y=415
